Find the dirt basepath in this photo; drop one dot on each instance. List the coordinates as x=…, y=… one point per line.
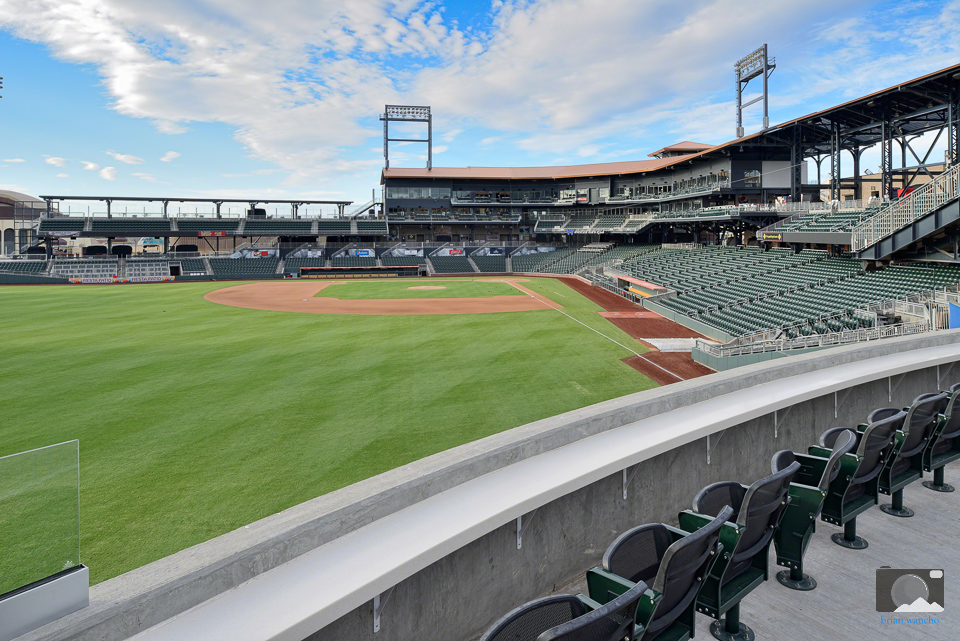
x=300, y=296
x=640, y=324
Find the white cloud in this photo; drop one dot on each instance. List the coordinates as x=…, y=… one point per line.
x=169, y=156
x=108, y=173
x=14, y=160
x=301, y=85
x=90, y=166
x=56, y=161
x=125, y=158
x=149, y=177
x=170, y=127
x=63, y=175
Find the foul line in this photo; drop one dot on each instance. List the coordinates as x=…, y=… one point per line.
x=547, y=303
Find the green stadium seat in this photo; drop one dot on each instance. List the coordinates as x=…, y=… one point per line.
x=944, y=445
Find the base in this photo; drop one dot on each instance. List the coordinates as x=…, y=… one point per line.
x=804, y=584
x=930, y=485
x=903, y=512
x=856, y=544
x=718, y=630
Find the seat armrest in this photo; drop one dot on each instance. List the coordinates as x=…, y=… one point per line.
x=647, y=606
x=675, y=533
x=819, y=452
x=693, y=521
x=589, y=603
x=806, y=497
x=811, y=467
x=604, y=586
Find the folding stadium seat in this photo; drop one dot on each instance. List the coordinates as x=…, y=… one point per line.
x=944, y=445
x=673, y=561
x=905, y=464
x=807, y=494
x=565, y=617
x=855, y=489
x=744, y=563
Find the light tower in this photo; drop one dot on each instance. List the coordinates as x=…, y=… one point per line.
x=406, y=113
x=753, y=64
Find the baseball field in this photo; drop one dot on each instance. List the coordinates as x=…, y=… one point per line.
x=201, y=407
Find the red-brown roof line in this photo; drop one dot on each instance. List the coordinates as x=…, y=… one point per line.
x=656, y=163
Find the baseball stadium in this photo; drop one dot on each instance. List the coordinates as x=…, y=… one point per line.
x=441, y=413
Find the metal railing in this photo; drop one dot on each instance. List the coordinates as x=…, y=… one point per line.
x=904, y=211
x=814, y=340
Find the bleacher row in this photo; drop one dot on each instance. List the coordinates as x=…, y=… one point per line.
x=251, y=226
x=828, y=221
x=746, y=290
x=654, y=579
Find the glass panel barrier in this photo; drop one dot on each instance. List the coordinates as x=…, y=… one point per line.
x=39, y=514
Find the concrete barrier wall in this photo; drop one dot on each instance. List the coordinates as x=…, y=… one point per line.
x=690, y=323
x=460, y=595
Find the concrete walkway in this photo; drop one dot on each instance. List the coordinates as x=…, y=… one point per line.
x=843, y=606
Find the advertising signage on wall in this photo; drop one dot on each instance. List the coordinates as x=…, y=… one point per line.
x=211, y=233
x=772, y=235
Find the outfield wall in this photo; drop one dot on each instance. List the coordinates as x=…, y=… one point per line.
x=472, y=572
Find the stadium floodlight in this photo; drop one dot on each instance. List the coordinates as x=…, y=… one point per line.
x=755, y=63
x=406, y=112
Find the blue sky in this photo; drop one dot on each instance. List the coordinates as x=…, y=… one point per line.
x=224, y=97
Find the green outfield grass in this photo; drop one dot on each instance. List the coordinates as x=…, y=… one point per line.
x=195, y=419
x=367, y=289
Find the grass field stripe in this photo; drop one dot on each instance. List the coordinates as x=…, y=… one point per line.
x=547, y=303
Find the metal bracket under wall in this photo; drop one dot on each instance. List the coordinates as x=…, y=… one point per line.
x=716, y=443
x=837, y=404
x=521, y=528
x=627, y=481
x=945, y=374
x=379, y=603
x=891, y=388
x=777, y=421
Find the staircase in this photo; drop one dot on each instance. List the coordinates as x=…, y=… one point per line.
x=927, y=209
x=473, y=264
x=207, y=265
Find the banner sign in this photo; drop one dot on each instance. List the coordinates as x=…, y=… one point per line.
x=314, y=253
x=456, y=252
x=365, y=252
x=496, y=251
x=203, y=233
x=772, y=235
x=115, y=280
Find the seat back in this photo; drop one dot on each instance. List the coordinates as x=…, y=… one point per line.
x=829, y=438
x=919, y=422
x=636, y=554
x=844, y=442
x=683, y=570
x=882, y=413
x=763, y=505
x=874, y=450
x=951, y=428
x=712, y=499
x=613, y=621
x=530, y=620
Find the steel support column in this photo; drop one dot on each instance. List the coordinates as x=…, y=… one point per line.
x=796, y=162
x=835, y=163
x=857, y=181
x=886, y=157
x=953, y=127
